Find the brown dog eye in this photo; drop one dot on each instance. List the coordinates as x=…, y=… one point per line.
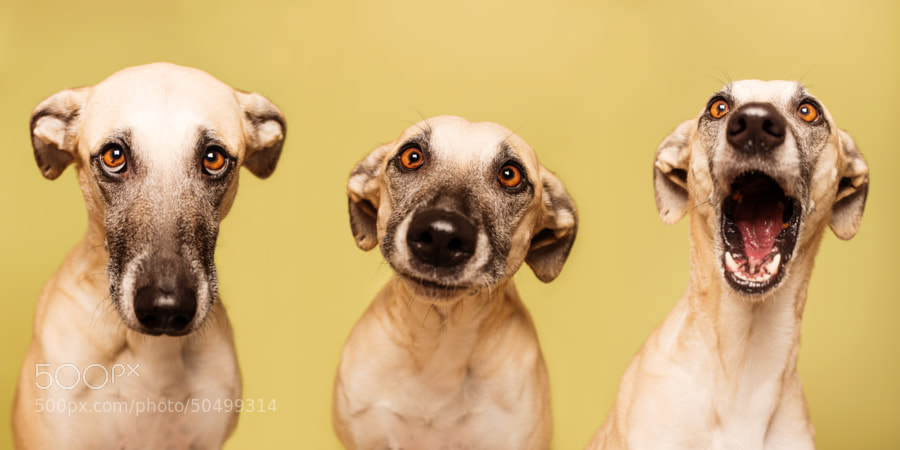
x=214, y=161
x=114, y=160
x=808, y=112
x=412, y=158
x=510, y=176
x=718, y=109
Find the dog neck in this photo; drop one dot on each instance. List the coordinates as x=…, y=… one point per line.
x=446, y=335
x=755, y=341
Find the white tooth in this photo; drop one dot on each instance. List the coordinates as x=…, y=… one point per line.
x=729, y=262
x=740, y=274
x=772, y=267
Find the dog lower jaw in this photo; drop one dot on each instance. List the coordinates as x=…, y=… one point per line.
x=182, y=333
x=434, y=291
x=765, y=277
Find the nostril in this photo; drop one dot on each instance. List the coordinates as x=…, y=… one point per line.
x=773, y=128
x=151, y=321
x=737, y=126
x=422, y=238
x=179, y=322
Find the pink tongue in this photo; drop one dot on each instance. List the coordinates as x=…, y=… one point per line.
x=760, y=222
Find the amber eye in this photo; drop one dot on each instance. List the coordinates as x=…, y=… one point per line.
x=113, y=160
x=214, y=161
x=412, y=158
x=718, y=109
x=510, y=176
x=808, y=112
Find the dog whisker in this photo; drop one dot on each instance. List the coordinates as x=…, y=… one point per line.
x=727, y=78
x=425, y=317
x=706, y=202
x=104, y=308
x=90, y=249
x=422, y=125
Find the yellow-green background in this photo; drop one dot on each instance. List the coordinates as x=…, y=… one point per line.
x=592, y=86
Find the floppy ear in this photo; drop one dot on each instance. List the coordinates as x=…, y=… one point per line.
x=550, y=246
x=363, y=193
x=850, y=201
x=54, y=125
x=670, y=173
x=264, y=130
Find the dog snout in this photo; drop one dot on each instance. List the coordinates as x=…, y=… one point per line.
x=441, y=238
x=166, y=301
x=756, y=128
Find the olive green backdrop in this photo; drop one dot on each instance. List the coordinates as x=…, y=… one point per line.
x=592, y=86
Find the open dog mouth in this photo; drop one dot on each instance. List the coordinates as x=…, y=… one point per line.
x=759, y=229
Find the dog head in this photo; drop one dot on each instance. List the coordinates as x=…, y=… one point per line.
x=158, y=148
x=457, y=206
x=763, y=168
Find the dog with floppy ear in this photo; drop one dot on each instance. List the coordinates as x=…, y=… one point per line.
x=447, y=356
x=763, y=171
x=129, y=333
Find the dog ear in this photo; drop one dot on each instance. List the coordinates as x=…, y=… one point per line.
x=264, y=130
x=850, y=201
x=364, y=195
x=550, y=246
x=670, y=171
x=54, y=125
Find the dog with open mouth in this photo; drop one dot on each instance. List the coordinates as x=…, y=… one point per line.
x=447, y=356
x=763, y=171
x=158, y=149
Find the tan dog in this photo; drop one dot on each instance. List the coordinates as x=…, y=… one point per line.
x=447, y=355
x=130, y=339
x=763, y=170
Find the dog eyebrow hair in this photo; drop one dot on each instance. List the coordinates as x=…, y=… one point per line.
x=121, y=136
x=507, y=154
x=724, y=93
x=207, y=137
x=421, y=139
x=801, y=94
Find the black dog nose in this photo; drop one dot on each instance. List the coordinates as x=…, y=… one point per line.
x=441, y=238
x=756, y=128
x=165, y=307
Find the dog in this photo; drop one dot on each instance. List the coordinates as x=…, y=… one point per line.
x=158, y=150
x=762, y=170
x=447, y=356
